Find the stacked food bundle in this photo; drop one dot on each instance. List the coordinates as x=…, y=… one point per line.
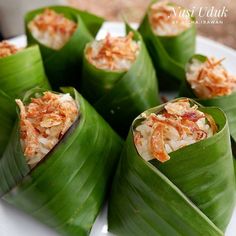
x=61, y=33
x=64, y=153
x=168, y=180
x=170, y=37
x=119, y=79
x=209, y=82
x=59, y=154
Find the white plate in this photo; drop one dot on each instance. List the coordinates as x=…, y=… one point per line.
x=16, y=223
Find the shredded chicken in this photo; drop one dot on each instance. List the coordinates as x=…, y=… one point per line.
x=166, y=19
x=43, y=122
x=210, y=79
x=52, y=29
x=113, y=53
x=179, y=125
x=7, y=49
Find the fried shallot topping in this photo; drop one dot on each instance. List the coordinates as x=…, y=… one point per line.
x=113, y=53
x=179, y=125
x=167, y=20
x=7, y=49
x=52, y=29
x=210, y=79
x=43, y=122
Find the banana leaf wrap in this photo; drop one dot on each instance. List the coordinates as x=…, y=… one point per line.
x=18, y=73
x=169, y=53
x=120, y=96
x=226, y=103
x=63, y=66
x=183, y=196
x=67, y=188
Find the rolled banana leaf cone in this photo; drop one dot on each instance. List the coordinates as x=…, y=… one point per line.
x=169, y=53
x=63, y=66
x=121, y=96
x=18, y=73
x=226, y=103
x=67, y=188
x=183, y=196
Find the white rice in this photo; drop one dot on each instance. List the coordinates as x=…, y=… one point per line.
x=172, y=140
x=8, y=49
x=43, y=122
x=52, y=29
x=166, y=19
x=216, y=81
x=113, y=61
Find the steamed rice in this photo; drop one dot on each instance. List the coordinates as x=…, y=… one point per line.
x=43, y=122
x=52, y=29
x=210, y=79
x=113, y=53
x=179, y=125
x=7, y=49
x=166, y=19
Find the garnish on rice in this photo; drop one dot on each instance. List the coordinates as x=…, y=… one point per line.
x=52, y=29
x=7, y=49
x=210, y=79
x=166, y=19
x=113, y=53
x=43, y=122
x=178, y=125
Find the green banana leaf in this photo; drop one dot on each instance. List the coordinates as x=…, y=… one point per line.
x=22, y=71
x=226, y=103
x=63, y=67
x=7, y=119
x=184, y=196
x=121, y=96
x=67, y=188
x=18, y=73
x=169, y=53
